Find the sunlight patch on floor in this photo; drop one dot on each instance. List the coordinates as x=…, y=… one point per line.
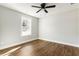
x=28, y=50
x=9, y=52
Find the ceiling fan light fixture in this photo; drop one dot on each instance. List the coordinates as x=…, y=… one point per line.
x=43, y=6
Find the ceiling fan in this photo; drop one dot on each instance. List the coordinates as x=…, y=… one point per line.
x=43, y=6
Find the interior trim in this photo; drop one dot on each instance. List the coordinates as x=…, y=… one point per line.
x=15, y=44
x=69, y=44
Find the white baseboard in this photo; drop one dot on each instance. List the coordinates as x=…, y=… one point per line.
x=69, y=44
x=16, y=44
x=41, y=39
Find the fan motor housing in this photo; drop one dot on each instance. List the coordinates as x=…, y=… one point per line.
x=43, y=5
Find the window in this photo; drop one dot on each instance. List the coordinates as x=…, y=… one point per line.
x=25, y=26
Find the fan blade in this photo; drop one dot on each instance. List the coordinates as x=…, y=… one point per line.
x=39, y=10
x=45, y=10
x=50, y=6
x=36, y=6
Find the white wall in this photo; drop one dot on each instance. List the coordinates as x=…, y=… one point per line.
x=61, y=27
x=78, y=24
x=10, y=27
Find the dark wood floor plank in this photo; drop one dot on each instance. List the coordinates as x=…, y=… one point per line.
x=44, y=48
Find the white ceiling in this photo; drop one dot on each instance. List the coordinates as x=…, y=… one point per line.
x=27, y=9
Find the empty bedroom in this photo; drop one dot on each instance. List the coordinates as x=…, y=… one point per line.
x=39, y=29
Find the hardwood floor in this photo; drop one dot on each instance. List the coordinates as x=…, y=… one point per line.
x=42, y=48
